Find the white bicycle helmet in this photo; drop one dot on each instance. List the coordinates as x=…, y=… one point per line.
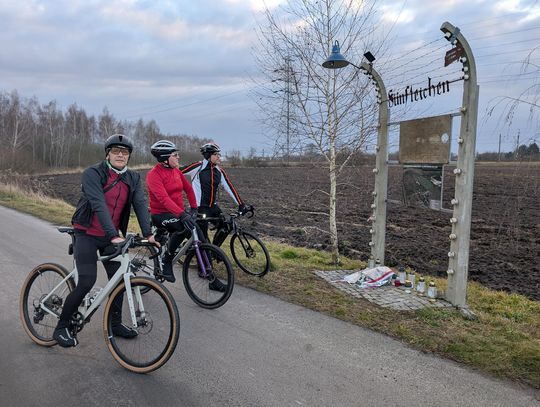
x=162, y=150
x=208, y=149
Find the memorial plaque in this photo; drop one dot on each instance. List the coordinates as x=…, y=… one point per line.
x=422, y=186
x=425, y=141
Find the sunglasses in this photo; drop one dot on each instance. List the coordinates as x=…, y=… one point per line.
x=118, y=151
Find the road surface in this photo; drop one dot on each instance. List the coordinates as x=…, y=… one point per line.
x=254, y=351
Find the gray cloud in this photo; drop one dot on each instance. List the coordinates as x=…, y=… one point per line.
x=187, y=64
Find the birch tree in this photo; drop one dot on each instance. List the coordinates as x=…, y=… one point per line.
x=334, y=110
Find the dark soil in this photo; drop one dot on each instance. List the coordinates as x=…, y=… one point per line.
x=291, y=204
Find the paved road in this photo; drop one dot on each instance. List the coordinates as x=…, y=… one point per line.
x=254, y=351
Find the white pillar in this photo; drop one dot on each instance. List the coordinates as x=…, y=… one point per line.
x=458, y=256
x=378, y=217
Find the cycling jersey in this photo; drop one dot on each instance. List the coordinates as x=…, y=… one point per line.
x=205, y=179
x=165, y=187
x=93, y=205
x=116, y=198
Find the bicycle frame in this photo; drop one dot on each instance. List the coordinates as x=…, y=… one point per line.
x=123, y=272
x=195, y=242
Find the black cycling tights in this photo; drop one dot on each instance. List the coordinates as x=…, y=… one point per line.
x=172, y=224
x=213, y=212
x=85, y=252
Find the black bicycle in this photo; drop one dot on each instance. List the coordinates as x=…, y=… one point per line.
x=247, y=250
x=202, y=264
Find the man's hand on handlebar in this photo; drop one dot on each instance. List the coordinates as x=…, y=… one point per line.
x=152, y=239
x=187, y=220
x=245, y=209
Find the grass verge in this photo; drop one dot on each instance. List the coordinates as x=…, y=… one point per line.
x=504, y=339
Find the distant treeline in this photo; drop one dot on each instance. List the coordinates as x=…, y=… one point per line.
x=522, y=153
x=37, y=137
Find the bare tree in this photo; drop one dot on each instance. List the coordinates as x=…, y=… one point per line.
x=528, y=99
x=334, y=110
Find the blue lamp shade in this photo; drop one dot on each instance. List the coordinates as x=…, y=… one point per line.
x=335, y=60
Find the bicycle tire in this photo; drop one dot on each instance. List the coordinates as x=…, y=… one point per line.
x=199, y=287
x=153, y=351
x=40, y=282
x=250, y=253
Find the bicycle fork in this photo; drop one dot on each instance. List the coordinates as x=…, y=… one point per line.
x=246, y=245
x=131, y=303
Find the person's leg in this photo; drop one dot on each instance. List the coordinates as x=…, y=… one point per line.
x=221, y=228
x=85, y=253
x=219, y=237
x=177, y=233
x=203, y=224
x=118, y=328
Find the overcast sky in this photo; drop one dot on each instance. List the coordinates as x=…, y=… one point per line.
x=187, y=64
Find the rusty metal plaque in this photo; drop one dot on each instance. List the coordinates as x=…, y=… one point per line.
x=425, y=141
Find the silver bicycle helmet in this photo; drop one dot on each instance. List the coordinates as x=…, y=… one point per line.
x=208, y=149
x=162, y=150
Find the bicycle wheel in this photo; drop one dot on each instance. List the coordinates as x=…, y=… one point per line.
x=203, y=284
x=158, y=326
x=39, y=324
x=141, y=261
x=249, y=252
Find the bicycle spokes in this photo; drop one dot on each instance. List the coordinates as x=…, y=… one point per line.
x=248, y=249
x=208, y=276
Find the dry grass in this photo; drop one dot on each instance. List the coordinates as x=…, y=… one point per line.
x=35, y=203
x=503, y=340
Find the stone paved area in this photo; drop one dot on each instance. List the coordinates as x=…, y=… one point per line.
x=385, y=296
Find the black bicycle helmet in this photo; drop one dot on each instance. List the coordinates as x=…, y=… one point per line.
x=208, y=149
x=162, y=150
x=119, y=140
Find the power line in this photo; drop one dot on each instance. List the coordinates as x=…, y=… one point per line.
x=185, y=105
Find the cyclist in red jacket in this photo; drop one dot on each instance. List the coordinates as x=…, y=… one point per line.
x=166, y=184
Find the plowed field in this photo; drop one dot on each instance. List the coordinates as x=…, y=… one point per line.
x=291, y=204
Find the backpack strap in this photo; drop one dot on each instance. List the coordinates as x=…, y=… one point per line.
x=111, y=186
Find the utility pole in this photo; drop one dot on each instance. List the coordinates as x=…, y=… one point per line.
x=517, y=146
x=287, y=90
x=288, y=109
x=499, y=155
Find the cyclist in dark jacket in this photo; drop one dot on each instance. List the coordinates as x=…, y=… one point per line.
x=109, y=189
x=206, y=177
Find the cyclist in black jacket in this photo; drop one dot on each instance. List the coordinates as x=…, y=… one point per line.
x=109, y=189
x=206, y=177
